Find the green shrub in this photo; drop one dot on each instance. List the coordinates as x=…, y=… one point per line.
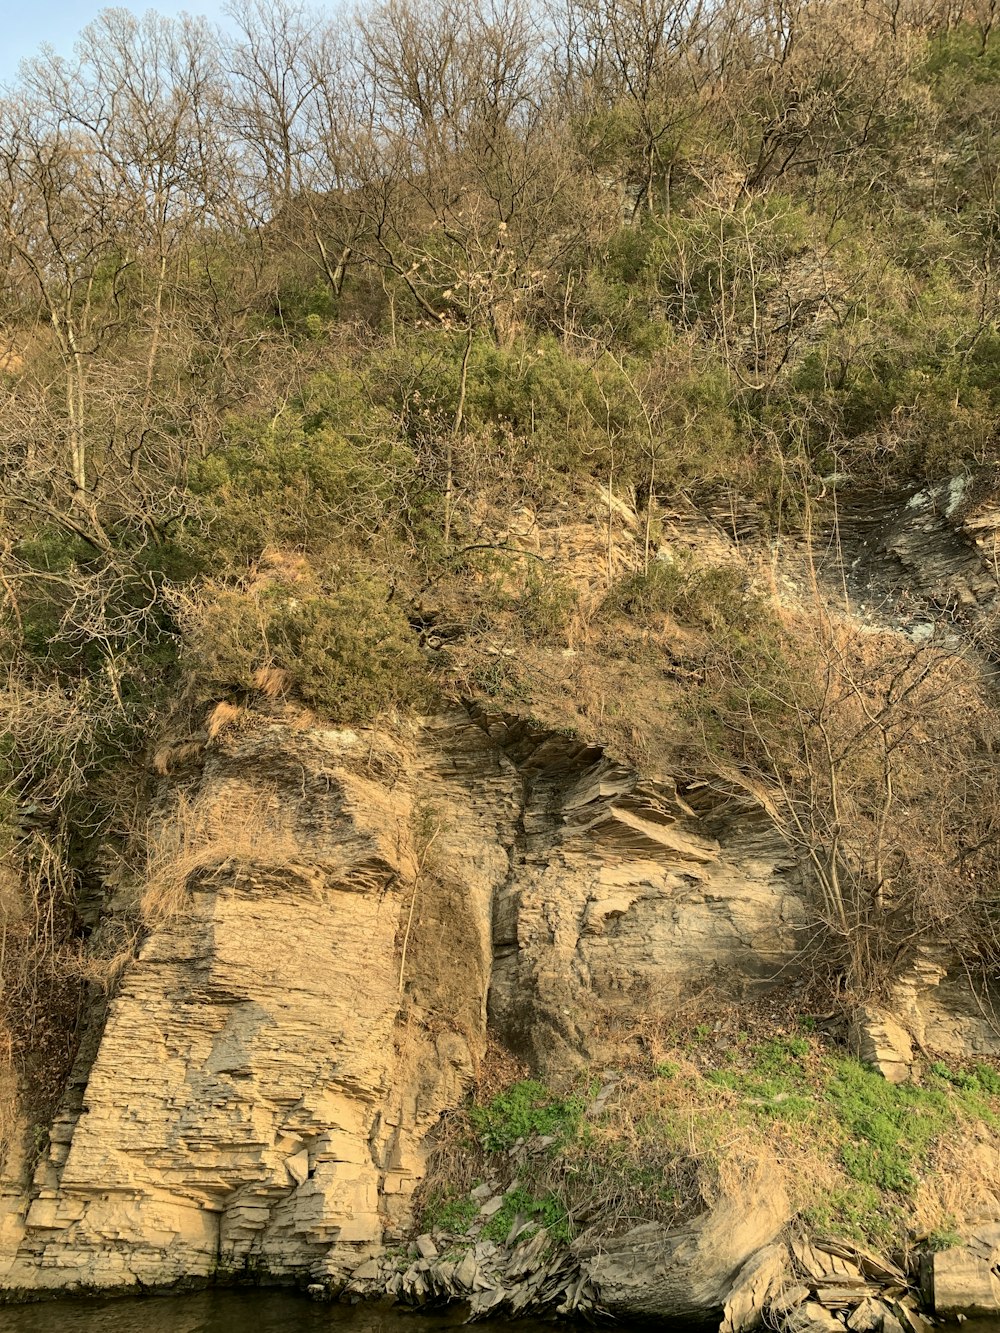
x=660, y=590
x=298, y=480
x=525, y=1109
x=712, y=597
x=347, y=651
x=350, y=653
x=524, y=596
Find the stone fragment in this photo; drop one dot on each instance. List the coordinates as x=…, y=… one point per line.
x=466, y=1271
x=443, y=1277
x=835, y=1295
x=786, y=1301
x=492, y=1206
x=484, y=1301
x=878, y=1040
x=867, y=1318
x=298, y=1167
x=426, y=1247
x=598, y=1105
x=369, y=1271
x=962, y=1282
x=910, y=1319
x=862, y=1260
x=481, y=1192
x=762, y=1274
x=812, y=1318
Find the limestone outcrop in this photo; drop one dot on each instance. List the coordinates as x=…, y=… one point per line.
x=272, y=1064
x=339, y=917
x=317, y=991
x=622, y=888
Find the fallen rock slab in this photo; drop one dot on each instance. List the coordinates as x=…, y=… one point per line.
x=868, y=1316
x=761, y=1277
x=960, y=1281
x=812, y=1318
x=687, y=1272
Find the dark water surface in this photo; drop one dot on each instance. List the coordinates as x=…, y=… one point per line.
x=233, y=1312
x=265, y=1312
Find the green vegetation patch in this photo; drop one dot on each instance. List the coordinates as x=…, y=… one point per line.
x=859, y=1155
x=546, y=1211
x=342, y=645
x=525, y=1109
x=447, y=1210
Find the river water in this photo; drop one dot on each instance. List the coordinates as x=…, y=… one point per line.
x=231, y=1312
x=262, y=1312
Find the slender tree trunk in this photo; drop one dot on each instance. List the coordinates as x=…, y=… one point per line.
x=449, y=484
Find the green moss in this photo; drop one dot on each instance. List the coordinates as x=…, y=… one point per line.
x=776, y=1084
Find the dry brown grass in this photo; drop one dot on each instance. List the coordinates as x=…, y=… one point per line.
x=221, y=716
x=173, y=755
x=11, y=360
x=11, y=1121
x=272, y=681
x=963, y=1184
x=204, y=836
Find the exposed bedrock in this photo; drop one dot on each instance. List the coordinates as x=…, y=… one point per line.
x=266, y=1077
x=626, y=890
x=277, y=1054
x=344, y=914
x=919, y=560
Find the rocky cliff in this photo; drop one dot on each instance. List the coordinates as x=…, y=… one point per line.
x=268, y=1075
x=342, y=917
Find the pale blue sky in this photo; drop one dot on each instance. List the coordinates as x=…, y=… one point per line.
x=26, y=24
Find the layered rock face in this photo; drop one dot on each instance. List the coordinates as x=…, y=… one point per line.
x=625, y=890
x=271, y=1066
x=288, y=1036
x=342, y=915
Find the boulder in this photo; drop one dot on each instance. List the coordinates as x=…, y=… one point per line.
x=687, y=1272
x=961, y=1281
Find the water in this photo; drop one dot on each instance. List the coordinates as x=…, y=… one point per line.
x=232, y=1312
x=265, y=1312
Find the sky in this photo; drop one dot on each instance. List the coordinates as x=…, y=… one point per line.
x=26, y=24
